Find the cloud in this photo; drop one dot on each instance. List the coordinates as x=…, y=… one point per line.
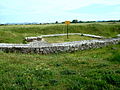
x=74, y=4
x=53, y=4
x=50, y=9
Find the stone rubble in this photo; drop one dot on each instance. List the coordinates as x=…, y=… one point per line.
x=118, y=35
x=88, y=35
x=46, y=48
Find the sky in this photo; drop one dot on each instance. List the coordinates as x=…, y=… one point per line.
x=46, y=11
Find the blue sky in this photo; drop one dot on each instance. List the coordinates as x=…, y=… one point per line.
x=18, y=11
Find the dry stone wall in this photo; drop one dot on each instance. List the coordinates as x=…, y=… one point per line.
x=40, y=38
x=46, y=48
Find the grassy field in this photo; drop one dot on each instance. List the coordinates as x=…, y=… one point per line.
x=16, y=33
x=95, y=69
x=60, y=39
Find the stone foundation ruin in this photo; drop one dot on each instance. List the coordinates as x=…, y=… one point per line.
x=36, y=45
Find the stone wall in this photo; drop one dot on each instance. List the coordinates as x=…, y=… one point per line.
x=46, y=48
x=40, y=38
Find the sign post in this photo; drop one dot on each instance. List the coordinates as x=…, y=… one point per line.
x=67, y=23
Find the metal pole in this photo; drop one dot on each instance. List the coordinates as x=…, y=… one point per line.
x=67, y=31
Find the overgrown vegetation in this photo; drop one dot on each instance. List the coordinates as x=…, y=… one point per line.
x=96, y=69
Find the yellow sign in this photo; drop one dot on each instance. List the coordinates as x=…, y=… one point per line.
x=67, y=22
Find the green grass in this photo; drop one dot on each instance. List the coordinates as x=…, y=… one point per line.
x=60, y=39
x=115, y=56
x=90, y=69
x=95, y=69
x=16, y=33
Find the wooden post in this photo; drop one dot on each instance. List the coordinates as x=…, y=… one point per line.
x=67, y=31
x=67, y=23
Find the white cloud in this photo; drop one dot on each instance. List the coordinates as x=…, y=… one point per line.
x=74, y=4
x=54, y=4
x=50, y=9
